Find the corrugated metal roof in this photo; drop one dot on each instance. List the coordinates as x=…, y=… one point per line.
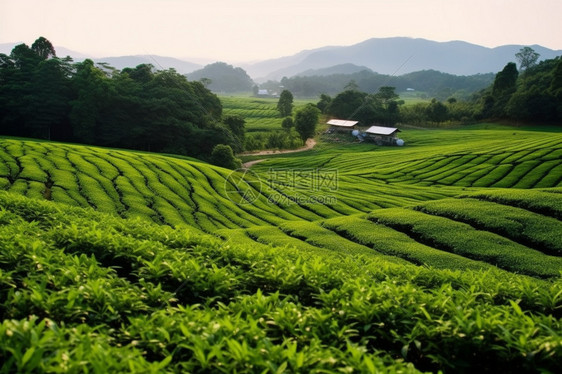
x=379, y=130
x=342, y=123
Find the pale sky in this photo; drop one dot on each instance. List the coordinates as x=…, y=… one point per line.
x=246, y=30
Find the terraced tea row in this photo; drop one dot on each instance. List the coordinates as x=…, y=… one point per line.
x=163, y=189
x=87, y=291
x=457, y=234
x=261, y=115
x=487, y=158
x=177, y=191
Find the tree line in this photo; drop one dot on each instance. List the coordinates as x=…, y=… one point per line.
x=531, y=93
x=431, y=82
x=43, y=96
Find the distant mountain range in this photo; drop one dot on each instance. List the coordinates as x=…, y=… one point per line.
x=159, y=62
x=347, y=68
x=398, y=56
x=6, y=48
x=120, y=62
x=395, y=56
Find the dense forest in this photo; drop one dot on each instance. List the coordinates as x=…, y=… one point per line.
x=43, y=96
x=432, y=83
x=532, y=94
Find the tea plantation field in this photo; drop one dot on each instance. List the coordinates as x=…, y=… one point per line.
x=261, y=114
x=442, y=255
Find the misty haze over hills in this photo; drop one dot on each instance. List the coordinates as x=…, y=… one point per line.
x=159, y=62
x=395, y=56
x=398, y=56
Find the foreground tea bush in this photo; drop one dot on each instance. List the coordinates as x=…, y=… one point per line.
x=84, y=291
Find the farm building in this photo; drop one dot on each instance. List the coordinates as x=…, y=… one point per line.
x=340, y=125
x=382, y=135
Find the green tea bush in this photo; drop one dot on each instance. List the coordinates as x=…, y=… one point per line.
x=518, y=224
x=538, y=201
x=464, y=240
x=126, y=295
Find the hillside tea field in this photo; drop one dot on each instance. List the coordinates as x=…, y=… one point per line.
x=260, y=113
x=443, y=255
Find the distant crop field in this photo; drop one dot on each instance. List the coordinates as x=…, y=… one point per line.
x=329, y=181
x=261, y=114
x=414, y=97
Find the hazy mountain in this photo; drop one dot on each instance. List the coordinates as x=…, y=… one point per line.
x=6, y=48
x=120, y=62
x=263, y=68
x=159, y=62
x=399, y=56
x=395, y=56
x=336, y=69
x=427, y=82
x=223, y=77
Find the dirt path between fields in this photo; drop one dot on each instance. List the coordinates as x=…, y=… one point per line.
x=310, y=143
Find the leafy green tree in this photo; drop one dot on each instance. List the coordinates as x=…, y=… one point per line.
x=386, y=98
x=287, y=123
x=346, y=103
x=236, y=124
x=324, y=103
x=306, y=120
x=222, y=155
x=504, y=86
x=414, y=114
x=436, y=111
x=25, y=59
x=141, y=74
x=505, y=81
x=351, y=86
x=254, y=142
x=206, y=81
x=527, y=58
x=90, y=85
x=556, y=82
x=555, y=88
x=34, y=92
x=285, y=103
x=386, y=94
x=49, y=103
x=43, y=48
x=276, y=140
x=16, y=91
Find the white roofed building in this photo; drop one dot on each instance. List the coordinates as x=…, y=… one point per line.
x=382, y=135
x=340, y=125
